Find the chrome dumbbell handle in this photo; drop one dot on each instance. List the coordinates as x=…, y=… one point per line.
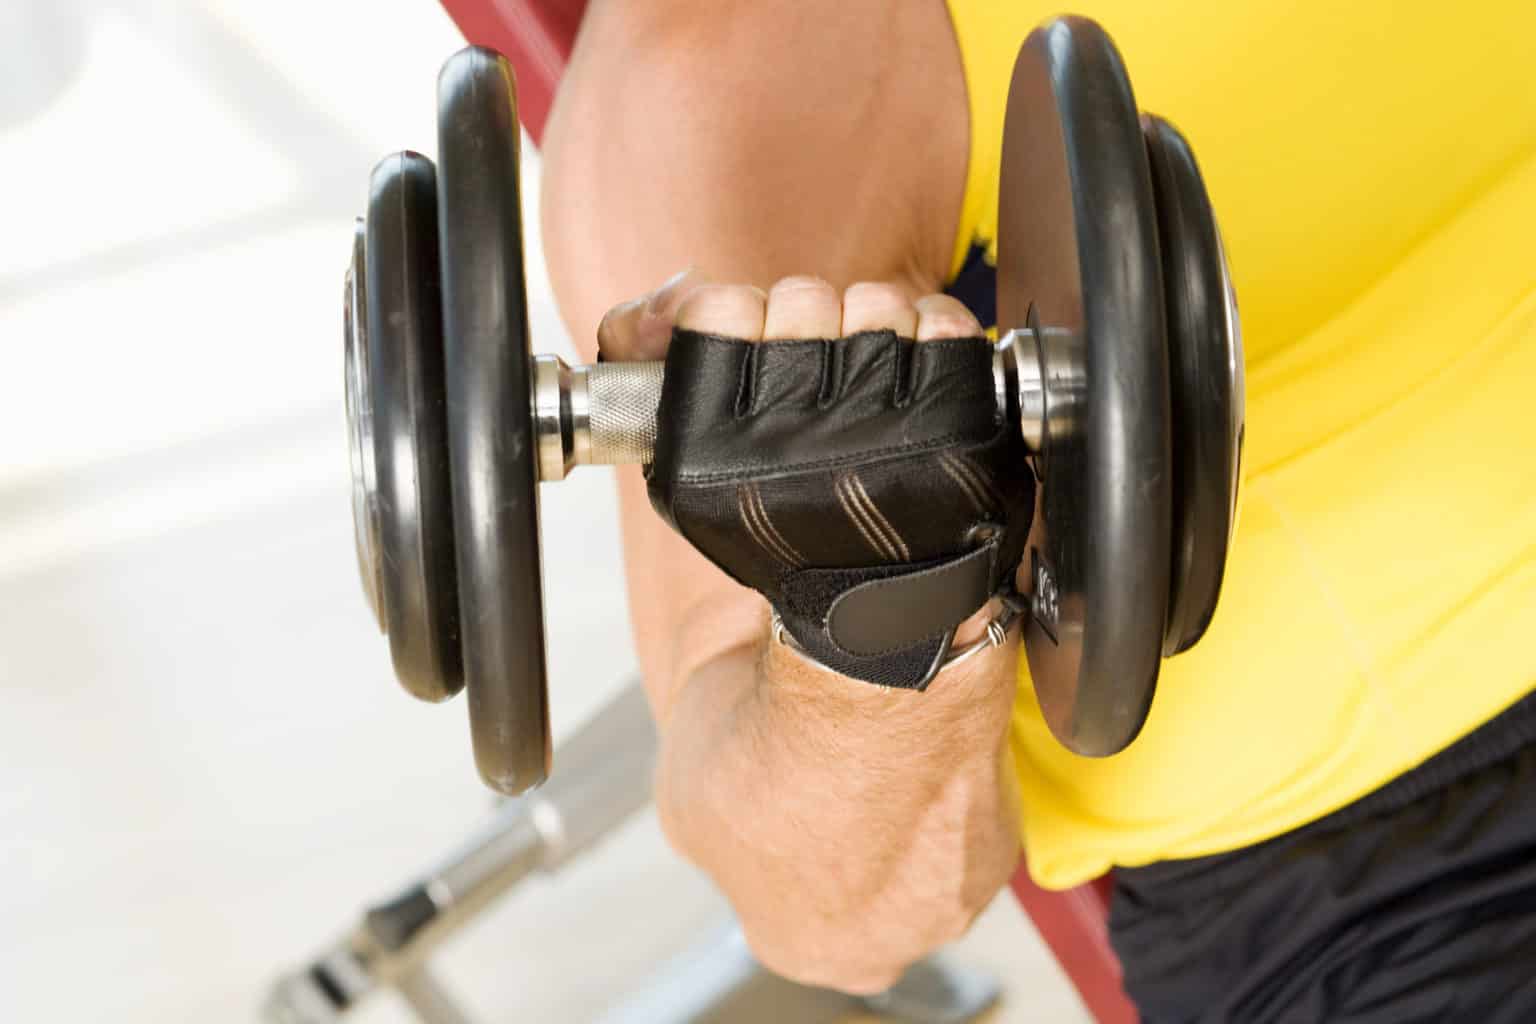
x=605, y=414
x=598, y=415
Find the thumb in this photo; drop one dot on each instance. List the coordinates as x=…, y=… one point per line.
x=640, y=329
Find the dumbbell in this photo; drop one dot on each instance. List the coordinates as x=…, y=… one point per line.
x=1119, y=360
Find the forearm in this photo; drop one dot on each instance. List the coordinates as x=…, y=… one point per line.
x=853, y=828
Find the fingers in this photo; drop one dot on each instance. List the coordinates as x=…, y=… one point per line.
x=639, y=330
x=795, y=307
x=802, y=307
x=944, y=316
x=872, y=306
x=731, y=310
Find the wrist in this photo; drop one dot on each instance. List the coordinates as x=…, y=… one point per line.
x=787, y=738
x=971, y=695
x=824, y=807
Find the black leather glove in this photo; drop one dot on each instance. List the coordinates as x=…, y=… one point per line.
x=868, y=486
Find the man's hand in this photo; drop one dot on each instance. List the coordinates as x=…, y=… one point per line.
x=867, y=485
x=852, y=828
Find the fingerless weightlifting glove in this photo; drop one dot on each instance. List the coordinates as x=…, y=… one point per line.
x=868, y=486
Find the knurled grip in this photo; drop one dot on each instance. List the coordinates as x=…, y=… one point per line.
x=621, y=412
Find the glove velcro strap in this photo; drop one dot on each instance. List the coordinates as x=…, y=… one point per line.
x=892, y=625
x=885, y=615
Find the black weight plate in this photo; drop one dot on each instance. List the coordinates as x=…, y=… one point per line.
x=1205, y=382
x=490, y=420
x=1078, y=260
x=412, y=504
x=365, y=496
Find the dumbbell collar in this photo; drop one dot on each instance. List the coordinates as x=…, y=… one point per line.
x=1040, y=382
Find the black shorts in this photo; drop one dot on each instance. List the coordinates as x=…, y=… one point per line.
x=1416, y=903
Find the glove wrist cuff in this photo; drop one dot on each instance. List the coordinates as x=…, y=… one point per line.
x=893, y=626
x=995, y=635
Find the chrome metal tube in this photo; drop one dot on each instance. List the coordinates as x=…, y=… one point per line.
x=605, y=777
x=614, y=422
x=598, y=415
x=429, y=1000
x=605, y=414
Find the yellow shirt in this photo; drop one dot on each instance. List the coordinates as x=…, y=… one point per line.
x=1373, y=168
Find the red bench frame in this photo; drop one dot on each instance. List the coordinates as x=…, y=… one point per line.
x=537, y=37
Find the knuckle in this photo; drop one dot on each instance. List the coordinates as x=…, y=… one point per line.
x=947, y=325
x=728, y=308
x=801, y=293
x=878, y=305
x=802, y=307
x=941, y=301
x=802, y=283
x=876, y=293
x=944, y=316
x=717, y=294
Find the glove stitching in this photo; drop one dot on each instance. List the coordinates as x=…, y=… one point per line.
x=861, y=457
x=859, y=514
x=754, y=516
x=983, y=496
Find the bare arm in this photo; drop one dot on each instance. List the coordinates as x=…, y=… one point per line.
x=852, y=828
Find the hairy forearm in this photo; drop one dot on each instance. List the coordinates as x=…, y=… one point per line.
x=853, y=828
